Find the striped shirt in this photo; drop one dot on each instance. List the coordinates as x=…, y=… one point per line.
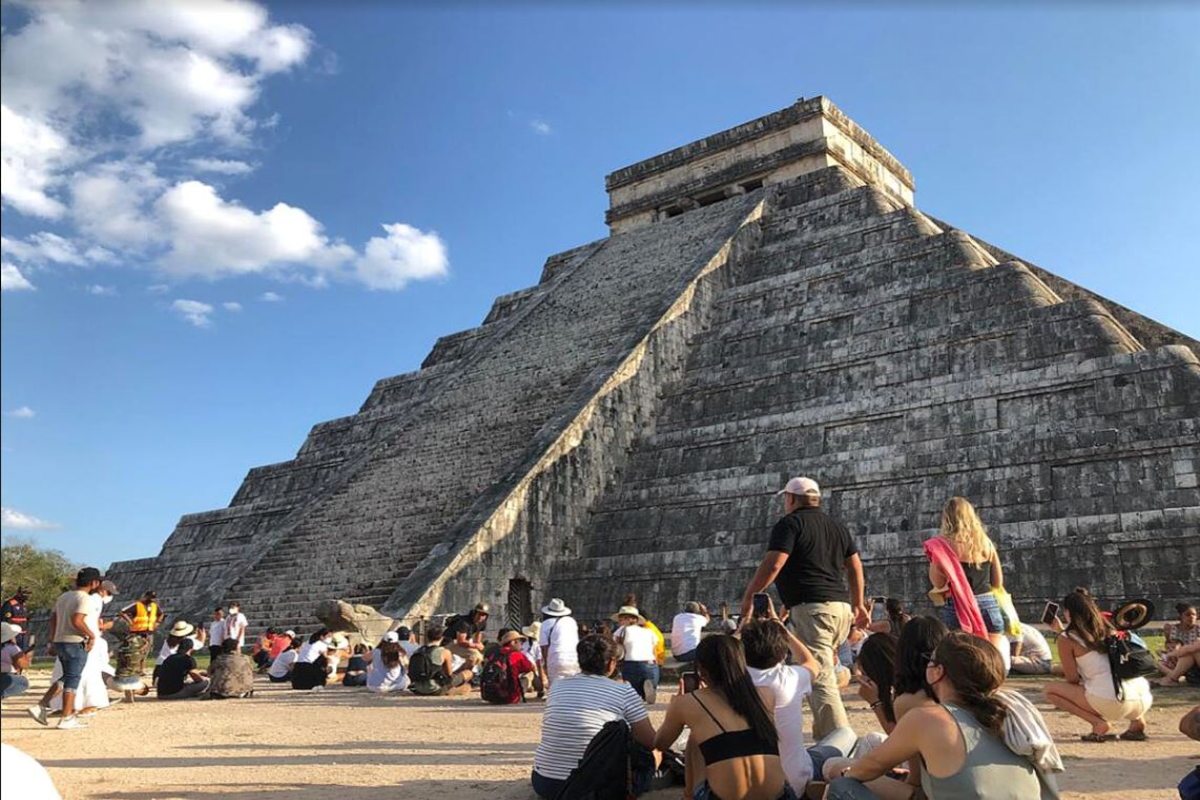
x=578, y=708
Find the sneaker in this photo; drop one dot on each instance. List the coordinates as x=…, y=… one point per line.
x=70, y=723
x=86, y=714
x=650, y=693
x=38, y=712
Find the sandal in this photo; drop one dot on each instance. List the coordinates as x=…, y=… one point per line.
x=1099, y=737
x=1133, y=736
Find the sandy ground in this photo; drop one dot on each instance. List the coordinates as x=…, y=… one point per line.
x=347, y=743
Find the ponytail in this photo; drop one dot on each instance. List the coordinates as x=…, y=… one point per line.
x=974, y=668
x=987, y=711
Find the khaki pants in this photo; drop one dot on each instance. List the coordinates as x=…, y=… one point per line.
x=823, y=627
x=474, y=657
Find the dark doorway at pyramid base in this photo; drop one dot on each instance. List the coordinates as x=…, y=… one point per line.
x=520, y=603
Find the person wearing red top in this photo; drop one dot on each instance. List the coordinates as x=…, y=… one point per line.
x=520, y=670
x=281, y=642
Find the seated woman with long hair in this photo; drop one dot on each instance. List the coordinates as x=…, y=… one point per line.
x=1183, y=646
x=733, y=750
x=312, y=665
x=1088, y=690
x=959, y=742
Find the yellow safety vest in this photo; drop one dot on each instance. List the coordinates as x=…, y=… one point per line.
x=144, y=617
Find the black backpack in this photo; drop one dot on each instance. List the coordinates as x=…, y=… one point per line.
x=604, y=771
x=1128, y=660
x=422, y=669
x=496, y=681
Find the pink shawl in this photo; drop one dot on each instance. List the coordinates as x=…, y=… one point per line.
x=942, y=556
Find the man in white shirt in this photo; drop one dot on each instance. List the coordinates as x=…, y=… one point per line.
x=216, y=632
x=1031, y=653
x=767, y=644
x=235, y=626
x=558, y=638
x=639, y=669
x=686, y=630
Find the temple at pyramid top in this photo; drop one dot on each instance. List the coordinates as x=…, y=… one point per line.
x=809, y=135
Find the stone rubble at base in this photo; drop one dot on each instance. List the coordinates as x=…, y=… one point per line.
x=770, y=303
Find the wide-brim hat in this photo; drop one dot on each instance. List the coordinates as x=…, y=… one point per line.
x=8, y=632
x=556, y=608
x=1133, y=614
x=533, y=631
x=628, y=611
x=182, y=628
x=511, y=636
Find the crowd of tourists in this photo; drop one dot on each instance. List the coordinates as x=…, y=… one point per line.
x=946, y=727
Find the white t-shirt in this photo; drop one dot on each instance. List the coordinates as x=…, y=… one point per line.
x=11, y=650
x=409, y=647
x=577, y=709
x=235, y=628
x=639, y=642
x=282, y=664
x=685, y=632
x=311, y=651
x=167, y=650
x=561, y=636
x=382, y=679
x=216, y=631
x=789, y=685
x=1033, y=644
x=22, y=776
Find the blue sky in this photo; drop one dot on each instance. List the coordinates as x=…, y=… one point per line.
x=167, y=324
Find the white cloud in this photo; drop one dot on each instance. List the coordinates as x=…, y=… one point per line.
x=102, y=291
x=11, y=279
x=405, y=254
x=20, y=521
x=212, y=237
x=103, y=101
x=232, y=306
x=271, y=297
x=221, y=166
x=194, y=312
x=22, y=412
x=541, y=127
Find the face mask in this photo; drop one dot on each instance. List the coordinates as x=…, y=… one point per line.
x=233, y=611
x=106, y=600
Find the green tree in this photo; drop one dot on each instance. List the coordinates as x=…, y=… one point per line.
x=42, y=571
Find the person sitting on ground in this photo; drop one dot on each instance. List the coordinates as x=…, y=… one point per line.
x=231, y=674
x=388, y=672
x=686, y=630
x=464, y=634
x=507, y=673
x=639, y=667
x=339, y=653
x=733, y=747
x=356, y=667
x=406, y=641
x=13, y=662
x=178, y=678
x=312, y=665
x=434, y=669
x=767, y=644
x=1088, y=691
x=529, y=646
x=959, y=741
x=1182, y=656
x=558, y=639
x=261, y=652
x=280, y=670
x=579, y=706
x=281, y=642
x=1031, y=654
x=895, y=619
x=180, y=630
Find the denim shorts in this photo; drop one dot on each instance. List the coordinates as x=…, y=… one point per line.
x=702, y=792
x=73, y=657
x=989, y=608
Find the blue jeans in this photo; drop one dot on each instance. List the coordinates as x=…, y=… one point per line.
x=545, y=787
x=989, y=609
x=702, y=792
x=635, y=672
x=73, y=657
x=838, y=743
x=849, y=789
x=12, y=684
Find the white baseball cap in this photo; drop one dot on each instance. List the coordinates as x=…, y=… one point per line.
x=801, y=486
x=391, y=636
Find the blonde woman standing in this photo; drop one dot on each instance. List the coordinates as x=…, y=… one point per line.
x=964, y=568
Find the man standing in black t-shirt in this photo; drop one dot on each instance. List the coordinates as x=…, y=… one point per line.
x=810, y=558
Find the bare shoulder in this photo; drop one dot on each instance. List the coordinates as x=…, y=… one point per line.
x=910, y=700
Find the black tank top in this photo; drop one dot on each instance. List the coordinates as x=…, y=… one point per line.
x=979, y=577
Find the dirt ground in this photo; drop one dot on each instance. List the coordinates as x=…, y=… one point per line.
x=352, y=745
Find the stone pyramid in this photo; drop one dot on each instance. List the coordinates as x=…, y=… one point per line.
x=769, y=303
